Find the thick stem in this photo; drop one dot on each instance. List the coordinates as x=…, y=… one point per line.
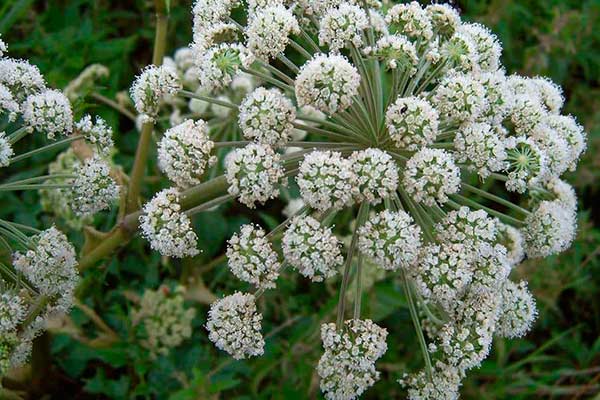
x=141, y=154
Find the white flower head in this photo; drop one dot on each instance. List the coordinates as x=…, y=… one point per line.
x=152, y=87
x=550, y=229
x=251, y=257
x=444, y=19
x=48, y=112
x=568, y=128
x=376, y=174
x=166, y=227
x=518, y=310
x=328, y=83
x=267, y=116
x=467, y=227
x=13, y=311
x=268, y=31
x=480, y=145
x=6, y=150
x=209, y=12
x=318, y=7
x=487, y=46
x=397, y=52
x=50, y=265
x=347, y=367
x=512, y=239
x=312, y=249
x=326, y=180
x=563, y=192
x=184, y=152
x=234, y=326
x=443, y=385
x=498, y=95
x=166, y=320
x=410, y=20
x=527, y=112
x=391, y=239
x=97, y=133
x=221, y=32
x=527, y=164
x=443, y=272
x=460, y=98
x=21, y=78
x=554, y=146
x=412, y=123
x=8, y=104
x=218, y=65
x=94, y=188
x=254, y=174
x=431, y=175
x=460, y=51
x=550, y=93
x=491, y=268
x=343, y=26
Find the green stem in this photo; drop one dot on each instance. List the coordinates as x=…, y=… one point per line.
x=34, y=187
x=209, y=204
x=18, y=135
x=358, y=294
x=362, y=215
x=461, y=200
x=45, y=148
x=271, y=80
x=495, y=198
x=208, y=99
x=39, y=178
x=113, y=104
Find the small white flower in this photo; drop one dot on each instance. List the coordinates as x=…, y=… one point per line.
x=184, y=152
x=563, y=192
x=326, y=180
x=48, y=112
x=391, y=239
x=397, y=52
x=266, y=116
x=6, y=150
x=268, y=31
x=491, y=268
x=518, y=310
x=467, y=227
x=443, y=385
x=376, y=174
x=168, y=230
x=412, y=123
x=554, y=146
x=410, y=20
x=527, y=164
x=218, y=65
x=444, y=18
x=151, y=87
x=254, y=174
x=512, y=239
x=460, y=98
x=549, y=229
x=487, y=46
x=312, y=249
x=50, y=265
x=98, y=133
x=234, y=326
x=460, y=52
x=221, y=32
x=13, y=311
x=21, y=78
x=208, y=12
x=568, y=128
x=527, y=113
x=431, y=175
x=342, y=26
x=8, y=104
x=550, y=93
x=480, y=145
x=328, y=83
x=498, y=95
x=94, y=188
x=251, y=257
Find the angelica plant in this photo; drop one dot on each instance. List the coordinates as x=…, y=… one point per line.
x=399, y=114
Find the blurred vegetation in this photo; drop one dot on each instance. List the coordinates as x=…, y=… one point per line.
x=560, y=358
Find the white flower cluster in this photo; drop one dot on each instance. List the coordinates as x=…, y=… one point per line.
x=550, y=229
x=254, y=173
x=50, y=265
x=343, y=25
x=266, y=116
x=234, y=326
x=152, y=87
x=391, y=239
x=518, y=310
x=326, y=180
x=431, y=175
x=21, y=78
x=166, y=227
x=347, y=367
x=376, y=174
x=251, y=257
x=412, y=123
x=409, y=19
x=13, y=311
x=48, y=112
x=482, y=147
x=184, y=152
x=6, y=150
x=460, y=98
x=268, y=31
x=312, y=249
x=328, y=83
x=93, y=189
x=8, y=104
x=97, y=133
x=166, y=320
x=397, y=52
x=218, y=65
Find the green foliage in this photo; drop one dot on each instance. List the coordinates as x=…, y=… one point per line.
x=560, y=357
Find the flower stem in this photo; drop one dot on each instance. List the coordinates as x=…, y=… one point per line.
x=45, y=148
x=18, y=135
x=114, y=105
x=497, y=199
x=363, y=211
x=358, y=294
x=461, y=200
x=208, y=99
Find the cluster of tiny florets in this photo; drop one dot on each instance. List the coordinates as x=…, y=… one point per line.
x=49, y=113
x=152, y=87
x=94, y=189
x=268, y=31
x=412, y=123
x=342, y=26
x=376, y=174
x=166, y=227
x=251, y=257
x=97, y=133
